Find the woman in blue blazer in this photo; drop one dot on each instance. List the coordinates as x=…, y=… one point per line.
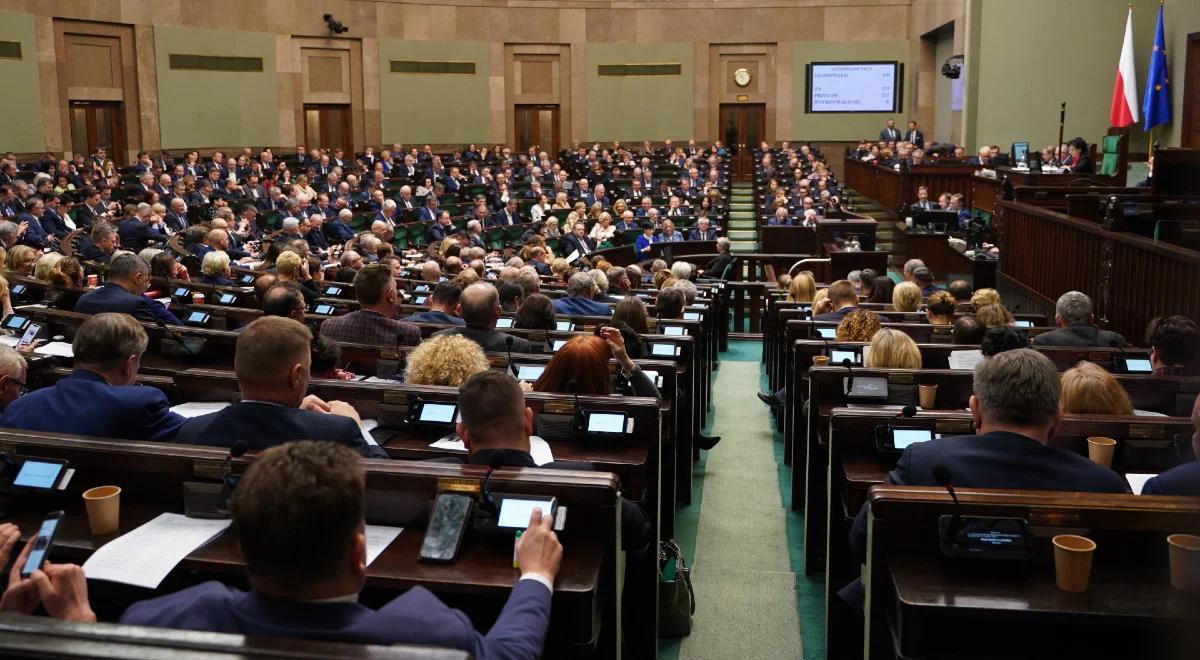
x=642, y=244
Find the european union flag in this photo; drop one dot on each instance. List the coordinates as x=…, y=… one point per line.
x=1156, y=105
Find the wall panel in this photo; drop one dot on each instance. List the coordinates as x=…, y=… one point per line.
x=434, y=107
x=634, y=108
x=20, y=104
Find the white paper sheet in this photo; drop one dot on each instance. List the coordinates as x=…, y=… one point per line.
x=1138, y=481
x=9, y=340
x=198, y=408
x=379, y=537
x=146, y=555
x=56, y=348
x=540, y=450
x=449, y=442
x=965, y=360
x=377, y=379
x=572, y=257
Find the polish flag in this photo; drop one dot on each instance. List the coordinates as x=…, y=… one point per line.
x=1124, y=109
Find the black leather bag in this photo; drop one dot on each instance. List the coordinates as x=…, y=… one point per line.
x=676, y=600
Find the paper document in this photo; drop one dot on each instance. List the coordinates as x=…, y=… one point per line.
x=198, y=408
x=965, y=359
x=366, y=427
x=146, y=555
x=572, y=257
x=1138, y=481
x=379, y=537
x=449, y=442
x=377, y=379
x=56, y=348
x=540, y=450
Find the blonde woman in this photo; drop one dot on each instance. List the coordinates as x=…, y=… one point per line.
x=45, y=264
x=21, y=259
x=993, y=315
x=802, y=288
x=551, y=229
x=603, y=230
x=892, y=349
x=560, y=202
x=593, y=214
x=447, y=360
x=985, y=297
x=906, y=297
x=1088, y=389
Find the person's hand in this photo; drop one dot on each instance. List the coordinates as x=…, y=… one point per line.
x=616, y=342
x=63, y=590
x=525, y=385
x=343, y=409
x=825, y=307
x=9, y=535
x=314, y=403
x=24, y=224
x=538, y=549
x=21, y=595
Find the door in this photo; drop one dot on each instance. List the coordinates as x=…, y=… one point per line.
x=96, y=124
x=537, y=126
x=743, y=126
x=1191, y=93
x=328, y=126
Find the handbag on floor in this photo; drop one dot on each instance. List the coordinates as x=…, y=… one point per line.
x=676, y=600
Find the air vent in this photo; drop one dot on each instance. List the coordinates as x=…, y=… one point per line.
x=640, y=69
x=421, y=66
x=10, y=50
x=216, y=63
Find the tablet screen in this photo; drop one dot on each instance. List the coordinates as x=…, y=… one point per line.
x=606, y=423
x=504, y=322
x=530, y=372
x=903, y=438
x=515, y=513
x=828, y=333
x=1138, y=366
x=662, y=349
x=837, y=356
x=674, y=330
x=38, y=474
x=438, y=412
x=691, y=316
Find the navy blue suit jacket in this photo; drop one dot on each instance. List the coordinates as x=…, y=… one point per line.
x=415, y=617
x=576, y=306
x=136, y=234
x=835, y=316
x=114, y=298
x=1179, y=480
x=994, y=460
x=434, y=316
x=84, y=403
x=35, y=235
x=53, y=223
x=264, y=425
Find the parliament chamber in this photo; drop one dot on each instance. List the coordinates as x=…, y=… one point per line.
x=671, y=329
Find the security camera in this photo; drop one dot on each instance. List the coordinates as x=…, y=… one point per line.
x=335, y=26
x=952, y=68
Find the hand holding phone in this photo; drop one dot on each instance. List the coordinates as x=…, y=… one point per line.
x=42, y=542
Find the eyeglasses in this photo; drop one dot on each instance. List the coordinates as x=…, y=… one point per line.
x=24, y=388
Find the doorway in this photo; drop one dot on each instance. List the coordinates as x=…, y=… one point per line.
x=328, y=126
x=1191, y=94
x=96, y=124
x=537, y=126
x=743, y=126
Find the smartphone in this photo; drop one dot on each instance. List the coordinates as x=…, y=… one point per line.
x=42, y=543
x=443, y=537
x=30, y=334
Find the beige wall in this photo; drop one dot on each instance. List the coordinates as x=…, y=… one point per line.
x=20, y=104
x=215, y=108
x=1068, y=54
x=631, y=108
x=434, y=108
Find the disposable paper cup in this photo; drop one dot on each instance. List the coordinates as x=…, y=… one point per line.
x=103, y=509
x=1185, y=561
x=820, y=360
x=1073, y=562
x=928, y=395
x=1100, y=450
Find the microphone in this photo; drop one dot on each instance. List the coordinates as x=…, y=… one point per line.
x=577, y=418
x=236, y=451
x=850, y=376
x=179, y=340
x=815, y=332
x=489, y=503
x=941, y=474
x=508, y=342
x=906, y=412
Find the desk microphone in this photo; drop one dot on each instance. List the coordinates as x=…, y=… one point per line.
x=508, y=342
x=816, y=332
x=179, y=340
x=489, y=504
x=906, y=412
x=577, y=417
x=849, y=375
x=941, y=474
x=236, y=451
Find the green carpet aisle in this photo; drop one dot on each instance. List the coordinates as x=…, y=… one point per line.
x=742, y=542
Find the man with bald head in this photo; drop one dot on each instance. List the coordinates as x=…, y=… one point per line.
x=480, y=307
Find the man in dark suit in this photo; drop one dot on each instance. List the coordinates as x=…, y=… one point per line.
x=141, y=230
x=480, y=304
x=272, y=362
x=1182, y=479
x=305, y=577
x=889, y=133
x=1073, y=316
x=578, y=301
x=914, y=135
x=842, y=300
x=128, y=279
x=923, y=202
x=100, y=245
x=703, y=231
x=717, y=267
x=35, y=235
x=439, y=230
x=577, y=241
x=99, y=396
x=506, y=216
x=1015, y=411
x=443, y=305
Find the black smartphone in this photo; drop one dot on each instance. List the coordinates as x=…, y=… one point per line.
x=443, y=537
x=42, y=543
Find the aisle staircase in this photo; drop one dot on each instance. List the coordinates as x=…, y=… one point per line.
x=743, y=225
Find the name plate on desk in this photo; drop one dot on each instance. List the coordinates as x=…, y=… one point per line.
x=956, y=426
x=455, y=485
x=558, y=408
x=900, y=379
x=1146, y=431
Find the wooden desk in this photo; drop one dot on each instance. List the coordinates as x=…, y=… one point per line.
x=807, y=240
x=842, y=262
x=895, y=189
x=947, y=263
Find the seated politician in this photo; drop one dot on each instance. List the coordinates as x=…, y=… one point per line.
x=1174, y=342
x=443, y=305
x=375, y=321
x=1073, y=316
x=841, y=301
x=99, y=396
x=1183, y=479
x=13, y=372
x=480, y=304
x=272, y=362
x=305, y=577
x=1015, y=410
x=128, y=279
x=581, y=288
